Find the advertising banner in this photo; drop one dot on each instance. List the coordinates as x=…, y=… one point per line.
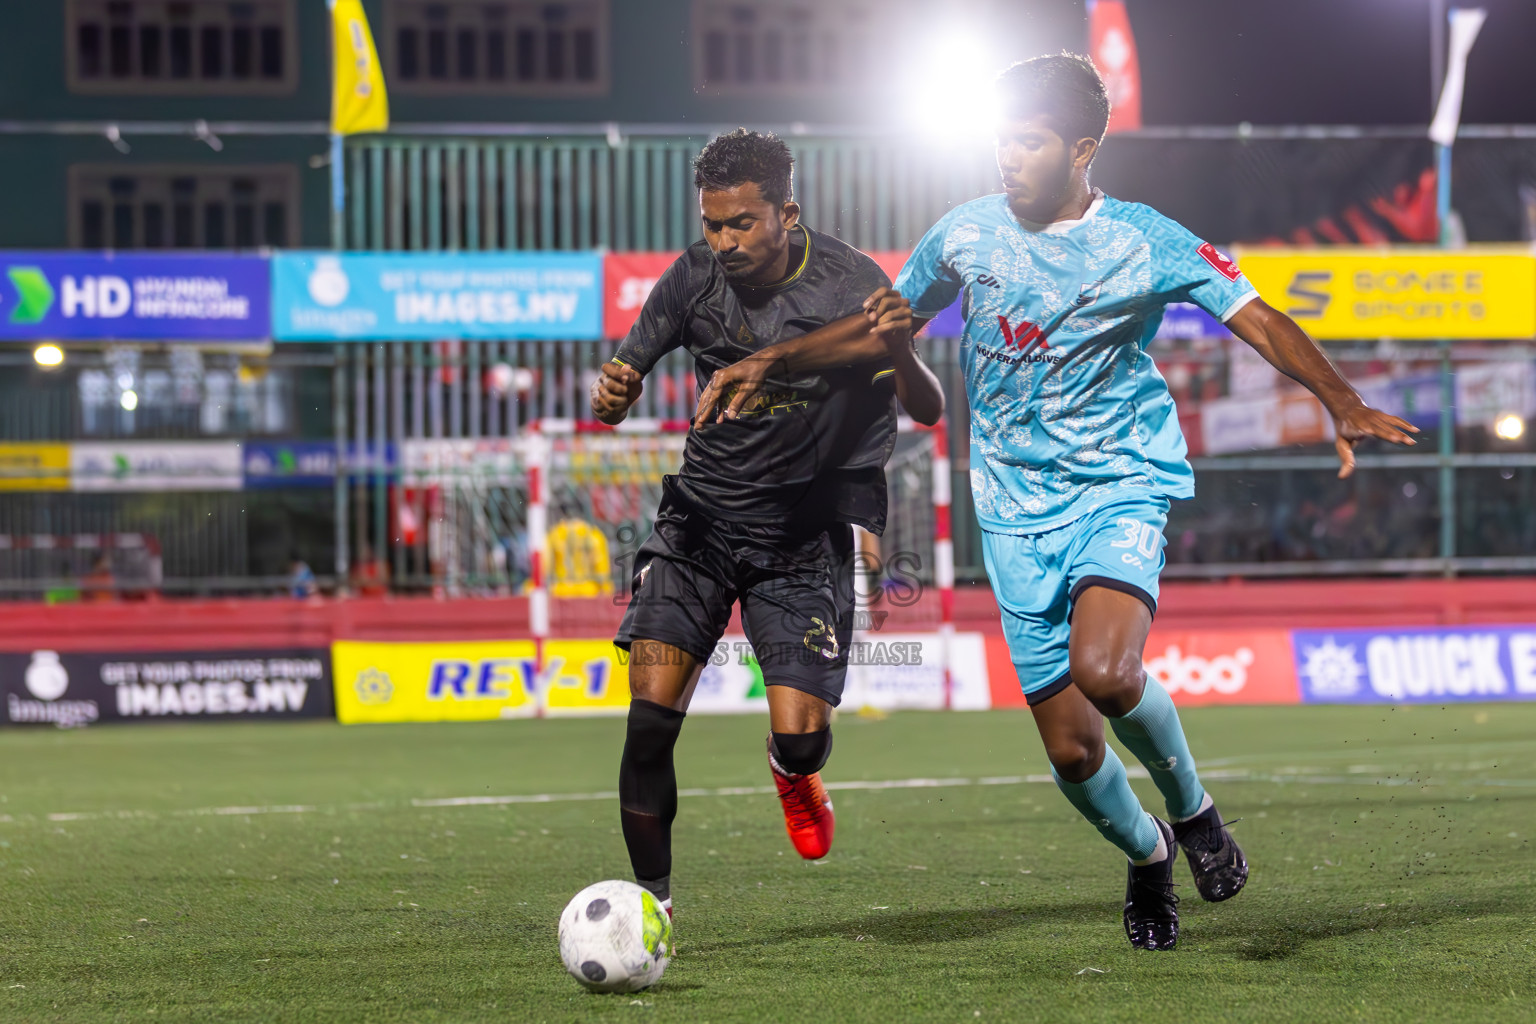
x=427, y=296
x=289, y=463
x=893, y=671
x=1352, y=293
x=155, y=466
x=476, y=680
x=34, y=467
x=270, y=464
x=1250, y=666
x=95, y=296
x=1197, y=667
x=73, y=689
x=628, y=278
x=1416, y=666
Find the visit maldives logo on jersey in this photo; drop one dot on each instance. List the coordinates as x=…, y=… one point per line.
x=1221, y=261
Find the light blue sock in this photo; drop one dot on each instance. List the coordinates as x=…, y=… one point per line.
x=1108, y=803
x=1152, y=732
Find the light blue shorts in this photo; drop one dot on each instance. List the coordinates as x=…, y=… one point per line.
x=1037, y=578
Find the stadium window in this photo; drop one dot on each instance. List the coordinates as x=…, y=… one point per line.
x=149, y=50
x=780, y=46
x=181, y=47
x=242, y=51
x=155, y=207
x=497, y=47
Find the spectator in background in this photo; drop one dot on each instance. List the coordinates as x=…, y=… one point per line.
x=370, y=574
x=99, y=584
x=301, y=578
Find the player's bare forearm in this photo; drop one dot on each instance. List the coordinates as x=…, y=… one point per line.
x=918, y=389
x=890, y=319
x=1286, y=347
x=863, y=337
x=844, y=342
x=1289, y=349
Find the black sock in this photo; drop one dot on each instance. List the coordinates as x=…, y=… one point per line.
x=802, y=753
x=648, y=793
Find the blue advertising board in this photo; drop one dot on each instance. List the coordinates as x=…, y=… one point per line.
x=426, y=296
x=134, y=296
x=311, y=463
x=1416, y=666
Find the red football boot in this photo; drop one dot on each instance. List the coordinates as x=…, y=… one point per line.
x=807, y=810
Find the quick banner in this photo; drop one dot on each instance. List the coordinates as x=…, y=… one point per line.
x=1416, y=666
x=69, y=689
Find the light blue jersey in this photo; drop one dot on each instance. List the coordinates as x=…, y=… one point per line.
x=1068, y=412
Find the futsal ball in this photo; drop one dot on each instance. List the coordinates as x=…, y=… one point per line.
x=614, y=937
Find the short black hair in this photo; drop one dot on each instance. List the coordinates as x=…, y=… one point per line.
x=738, y=157
x=1064, y=85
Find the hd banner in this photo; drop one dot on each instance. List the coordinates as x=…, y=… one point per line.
x=70, y=689
x=77, y=296
x=320, y=296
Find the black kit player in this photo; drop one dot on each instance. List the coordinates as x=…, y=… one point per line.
x=761, y=508
x=1076, y=454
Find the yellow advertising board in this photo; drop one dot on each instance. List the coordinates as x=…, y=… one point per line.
x=1350, y=292
x=34, y=467
x=476, y=680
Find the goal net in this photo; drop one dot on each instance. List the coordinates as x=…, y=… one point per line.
x=476, y=509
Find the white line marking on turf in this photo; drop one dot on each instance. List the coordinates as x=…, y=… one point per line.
x=1289, y=775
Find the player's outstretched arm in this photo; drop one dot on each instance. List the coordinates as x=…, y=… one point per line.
x=890, y=319
x=844, y=342
x=1290, y=350
x=614, y=391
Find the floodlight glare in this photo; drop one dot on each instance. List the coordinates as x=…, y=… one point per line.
x=1509, y=427
x=951, y=92
x=130, y=400
x=48, y=355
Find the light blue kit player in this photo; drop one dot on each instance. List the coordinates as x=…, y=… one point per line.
x=1076, y=453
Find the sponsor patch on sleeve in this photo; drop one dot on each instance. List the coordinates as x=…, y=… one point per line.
x=1221, y=261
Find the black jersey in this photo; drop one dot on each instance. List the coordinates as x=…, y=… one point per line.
x=811, y=449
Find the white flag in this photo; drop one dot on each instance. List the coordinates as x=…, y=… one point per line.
x=1465, y=23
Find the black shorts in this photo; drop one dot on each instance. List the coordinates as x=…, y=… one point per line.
x=795, y=587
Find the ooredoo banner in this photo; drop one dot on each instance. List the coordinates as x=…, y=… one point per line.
x=73, y=689
x=1197, y=667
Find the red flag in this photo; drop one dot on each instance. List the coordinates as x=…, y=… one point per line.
x=1113, y=49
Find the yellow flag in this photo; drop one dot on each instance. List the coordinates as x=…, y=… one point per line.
x=358, y=100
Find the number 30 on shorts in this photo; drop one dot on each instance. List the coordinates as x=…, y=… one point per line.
x=1139, y=536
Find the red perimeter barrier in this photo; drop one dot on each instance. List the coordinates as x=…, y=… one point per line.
x=282, y=622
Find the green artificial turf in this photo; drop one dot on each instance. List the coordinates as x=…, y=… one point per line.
x=1393, y=875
